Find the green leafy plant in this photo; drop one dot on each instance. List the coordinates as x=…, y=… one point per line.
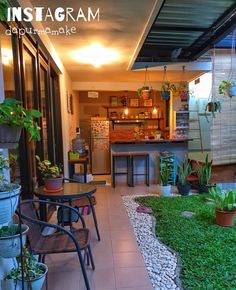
x=13, y=114
x=32, y=269
x=165, y=175
x=47, y=169
x=4, y=4
x=224, y=87
x=4, y=164
x=204, y=171
x=168, y=87
x=223, y=200
x=10, y=230
x=143, y=88
x=184, y=170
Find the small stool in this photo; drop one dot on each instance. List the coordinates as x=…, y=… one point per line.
x=115, y=158
x=145, y=156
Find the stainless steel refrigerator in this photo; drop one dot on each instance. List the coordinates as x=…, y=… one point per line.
x=100, y=147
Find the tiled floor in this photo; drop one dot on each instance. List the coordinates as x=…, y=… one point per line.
x=119, y=264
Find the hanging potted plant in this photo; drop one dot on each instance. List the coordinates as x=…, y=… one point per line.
x=183, y=91
x=34, y=272
x=228, y=88
x=164, y=186
x=184, y=170
x=52, y=175
x=9, y=194
x=213, y=106
x=10, y=245
x=166, y=90
x=204, y=175
x=13, y=117
x=145, y=92
x=225, y=205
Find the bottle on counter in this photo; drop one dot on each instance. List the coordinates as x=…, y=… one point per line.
x=78, y=144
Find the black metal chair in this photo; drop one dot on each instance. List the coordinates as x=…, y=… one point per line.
x=62, y=241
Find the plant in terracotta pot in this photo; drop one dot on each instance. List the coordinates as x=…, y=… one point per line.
x=214, y=106
x=144, y=92
x=165, y=186
x=9, y=193
x=183, y=91
x=184, y=170
x=34, y=272
x=51, y=173
x=204, y=175
x=14, y=117
x=166, y=90
x=227, y=88
x=225, y=205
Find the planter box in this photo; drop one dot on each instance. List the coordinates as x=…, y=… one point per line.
x=9, y=136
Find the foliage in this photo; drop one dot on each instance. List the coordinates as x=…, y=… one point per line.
x=224, y=87
x=32, y=269
x=10, y=230
x=12, y=113
x=143, y=88
x=184, y=170
x=168, y=87
x=4, y=164
x=47, y=169
x=223, y=200
x=206, y=250
x=165, y=175
x=4, y=4
x=204, y=171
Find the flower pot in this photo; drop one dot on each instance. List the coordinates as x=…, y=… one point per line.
x=10, y=246
x=146, y=94
x=225, y=218
x=9, y=136
x=165, y=190
x=203, y=188
x=183, y=96
x=8, y=203
x=183, y=188
x=53, y=183
x=165, y=95
x=232, y=91
x=36, y=283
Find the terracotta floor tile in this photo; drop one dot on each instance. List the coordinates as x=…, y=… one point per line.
x=133, y=259
x=119, y=246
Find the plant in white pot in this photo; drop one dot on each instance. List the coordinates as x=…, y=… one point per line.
x=184, y=170
x=165, y=186
x=34, y=272
x=53, y=178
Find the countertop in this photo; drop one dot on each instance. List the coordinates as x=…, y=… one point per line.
x=147, y=141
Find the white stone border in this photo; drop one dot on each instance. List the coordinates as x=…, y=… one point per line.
x=161, y=263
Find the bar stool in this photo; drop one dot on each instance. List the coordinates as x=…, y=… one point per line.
x=145, y=157
x=115, y=158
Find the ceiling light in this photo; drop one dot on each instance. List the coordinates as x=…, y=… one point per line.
x=96, y=55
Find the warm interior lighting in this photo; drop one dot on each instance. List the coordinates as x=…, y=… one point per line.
x=154, y=111
x=6, y=56
x=126, y=111
x=96, y=55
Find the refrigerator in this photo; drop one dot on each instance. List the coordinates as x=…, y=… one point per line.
x=100, y=147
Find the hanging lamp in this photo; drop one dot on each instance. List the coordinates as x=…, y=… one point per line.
x=145, y=90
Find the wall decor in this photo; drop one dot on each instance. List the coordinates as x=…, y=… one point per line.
x=134, y=102
x=147, y=103
x=114, y=101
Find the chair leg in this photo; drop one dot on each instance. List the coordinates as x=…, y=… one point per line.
x=47, y=281
x=94, y=218
x=91, y=257
x=83, y=270
x=113, y=172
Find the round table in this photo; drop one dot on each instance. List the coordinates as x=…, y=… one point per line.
x=70, y=191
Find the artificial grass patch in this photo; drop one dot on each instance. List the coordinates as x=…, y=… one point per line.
x=207, y=251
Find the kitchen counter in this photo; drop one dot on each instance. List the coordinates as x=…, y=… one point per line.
x=147, y=141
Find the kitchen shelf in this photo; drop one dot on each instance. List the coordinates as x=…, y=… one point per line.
x=130, y=107
x=134, y=119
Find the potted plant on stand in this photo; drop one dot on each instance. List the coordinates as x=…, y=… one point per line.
x=204, y=175
x=164, y=186
x=14, y=117
x=184, y=170
x=52, y=175
x=225, y=205
x=227, y=88
x=34, y=272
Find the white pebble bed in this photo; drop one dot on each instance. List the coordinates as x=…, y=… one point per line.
x=160, y=262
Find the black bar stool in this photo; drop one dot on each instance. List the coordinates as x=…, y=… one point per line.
x=116, y=157
x=144, y=156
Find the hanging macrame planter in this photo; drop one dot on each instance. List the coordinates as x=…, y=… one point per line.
x=228, y=88
x=183, y=90
x=167, y=87
x=145, y=91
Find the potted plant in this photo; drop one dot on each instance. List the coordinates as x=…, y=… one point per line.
x=184, y=170
x=225, y=205
x=228, y=88
x=13, y=117
x=51, y=174
x=204, y=175
x=214, y=106
x=10, y=245
x=4, y=4
x=9, y=194
x=34, y=272
x=164, y=186
x=183, y=91
x=145, y=92
x=167, y=88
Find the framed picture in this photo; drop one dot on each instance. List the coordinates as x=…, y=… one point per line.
x=114, y=101
x=134, y=102
x=147, y=103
